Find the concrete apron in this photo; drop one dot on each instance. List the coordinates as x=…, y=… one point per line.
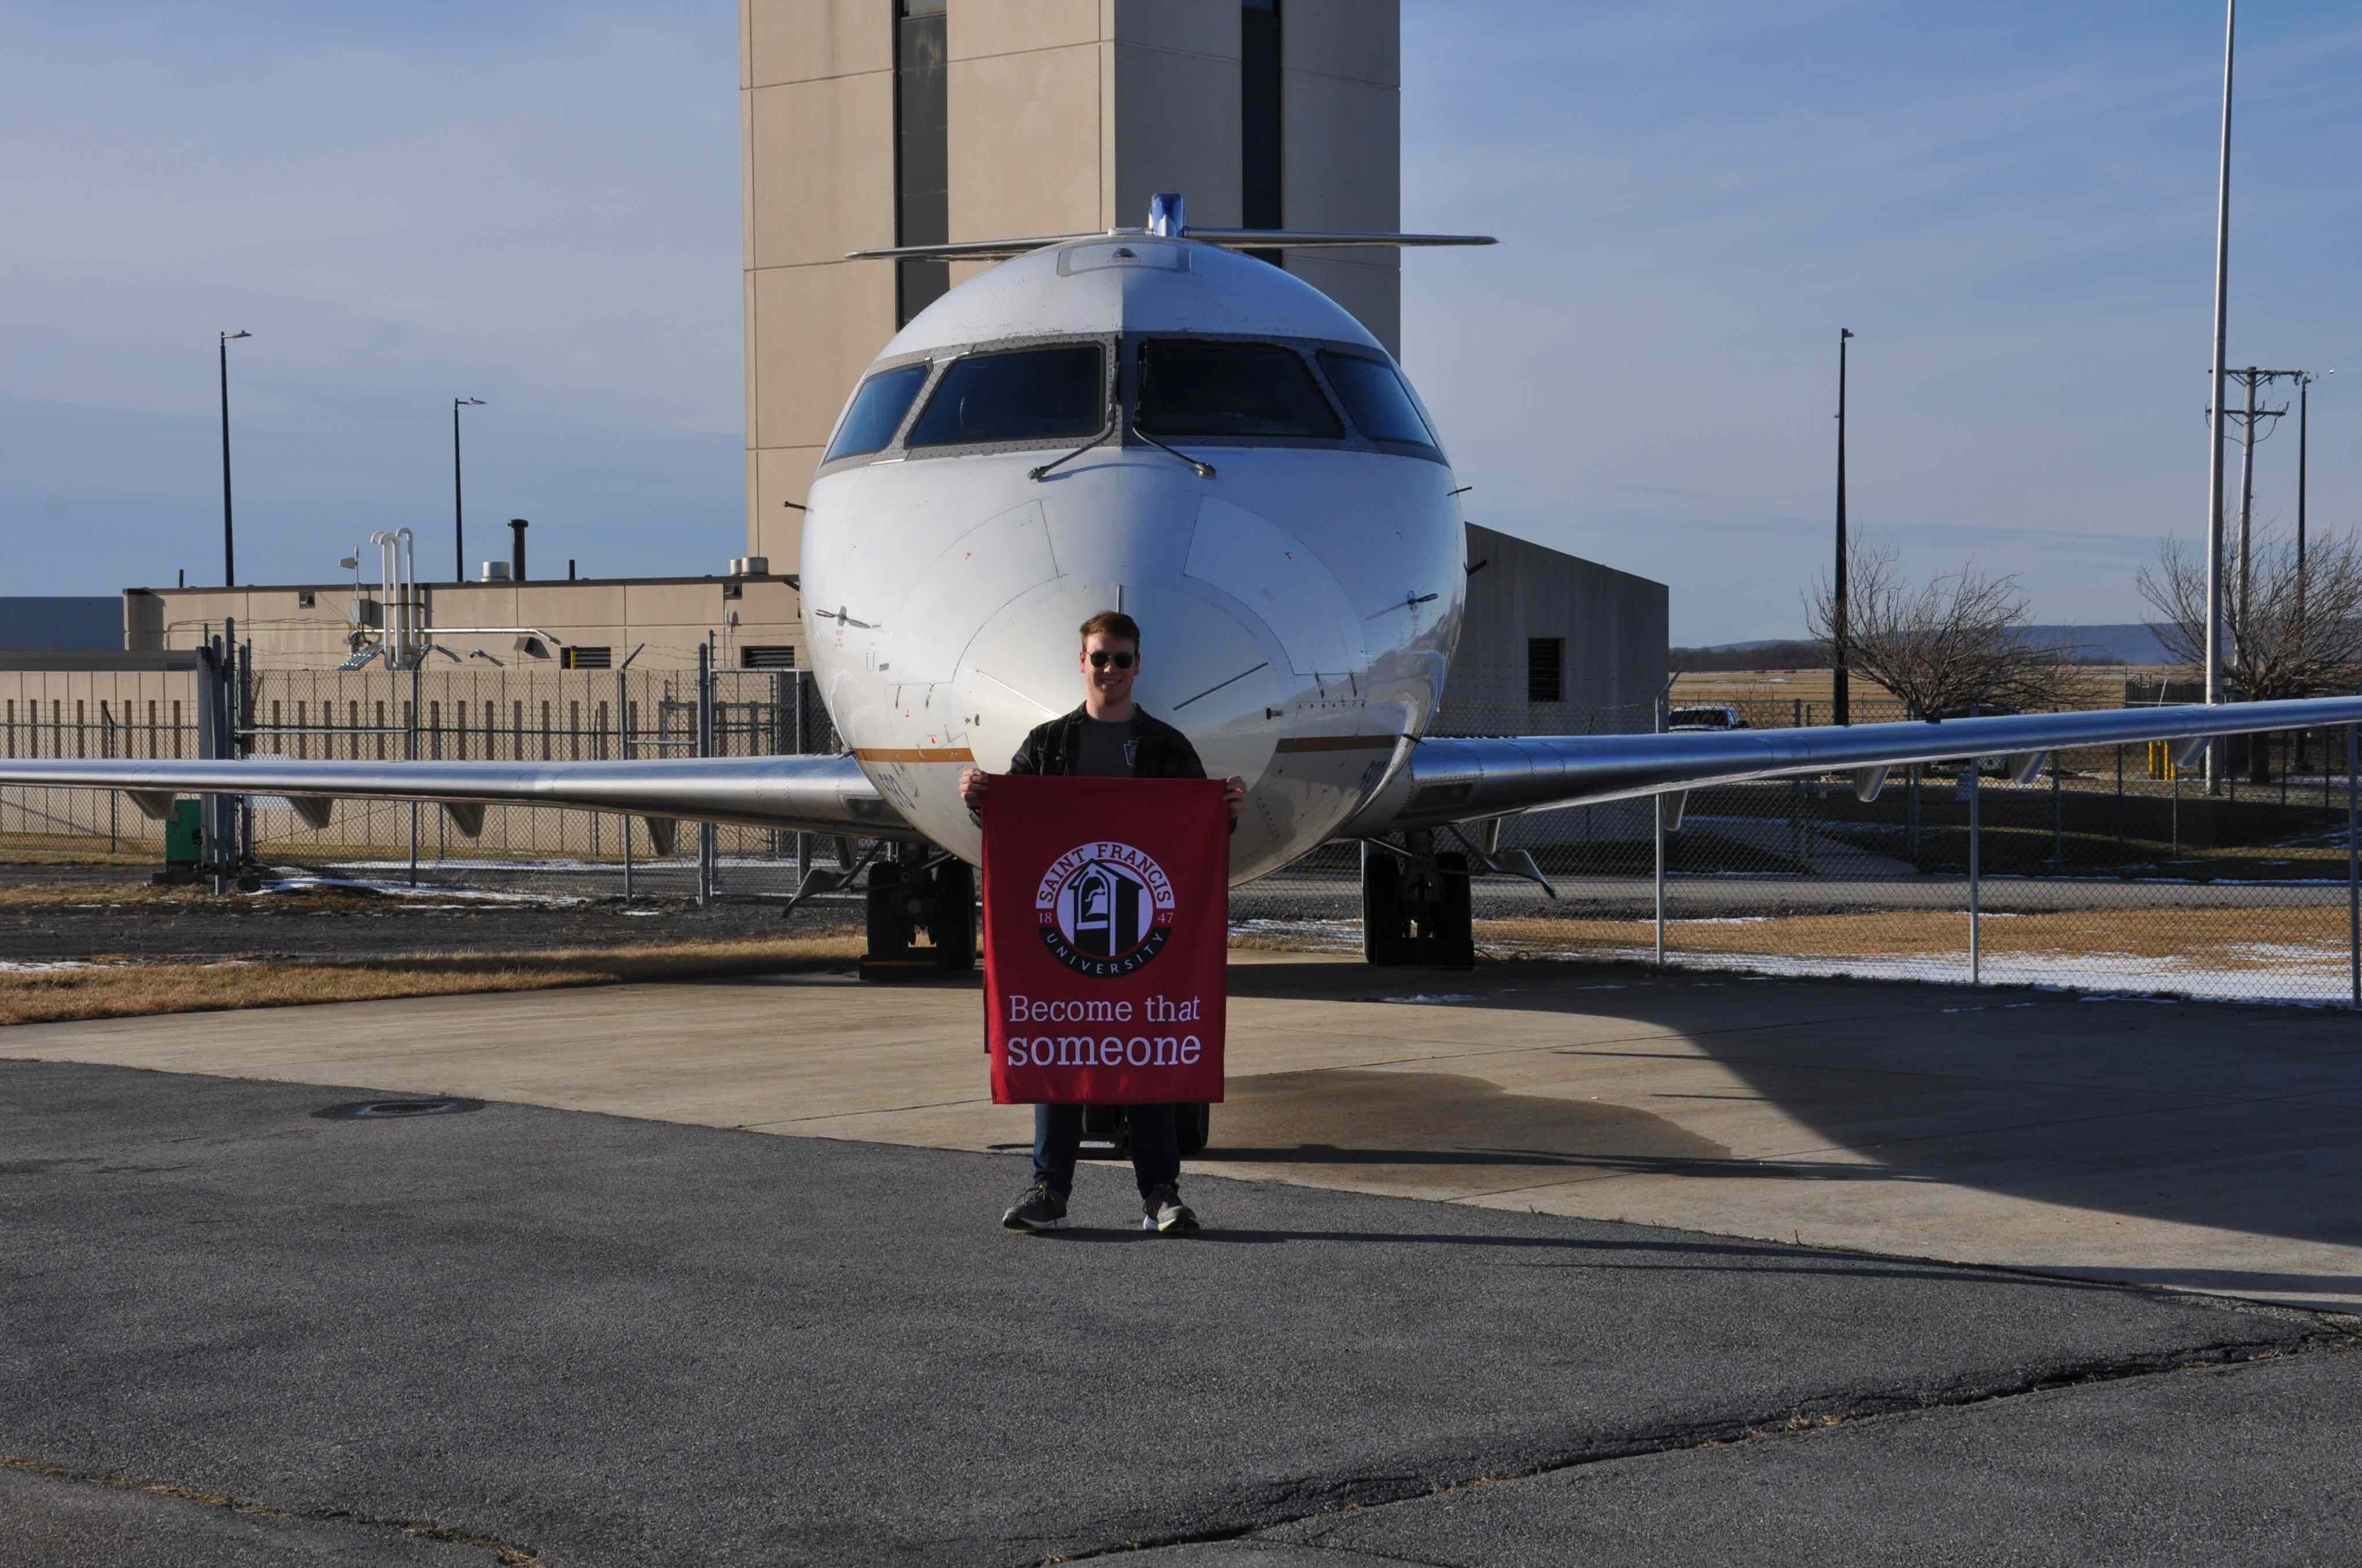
x=2203, y=1148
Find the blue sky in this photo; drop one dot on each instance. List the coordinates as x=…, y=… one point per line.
x=2011, y=204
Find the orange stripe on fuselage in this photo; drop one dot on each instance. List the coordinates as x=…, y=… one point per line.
x=913, y=754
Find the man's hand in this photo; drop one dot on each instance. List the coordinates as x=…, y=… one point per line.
x=973, y=783
x=1234, y=796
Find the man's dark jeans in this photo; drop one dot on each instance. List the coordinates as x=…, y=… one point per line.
x=1058, y=1135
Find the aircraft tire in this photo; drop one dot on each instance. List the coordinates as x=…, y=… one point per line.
x=1385, y=925
x=1107, y=1122
x=952, y=921
x=1451, y=943
x=1194, y=1128
x=889, y=932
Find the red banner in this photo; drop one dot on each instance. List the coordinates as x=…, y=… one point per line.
x=1106, y=933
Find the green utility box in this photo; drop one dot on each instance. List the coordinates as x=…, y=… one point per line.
x=184, y=840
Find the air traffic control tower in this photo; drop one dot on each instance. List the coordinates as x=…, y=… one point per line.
x=873, y=122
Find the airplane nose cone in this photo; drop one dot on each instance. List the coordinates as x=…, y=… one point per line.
x=1202, y=669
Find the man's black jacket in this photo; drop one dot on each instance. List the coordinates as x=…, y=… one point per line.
x=1160, y=751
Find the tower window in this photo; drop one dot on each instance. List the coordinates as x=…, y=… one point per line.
x=1259, y=119
x=921, y=154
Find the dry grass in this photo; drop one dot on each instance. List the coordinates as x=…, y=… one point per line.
x=128, y=990
x=69, y=895
x=76, y=849
x=2102, y=686
x=193, y=895
x=2231, y=939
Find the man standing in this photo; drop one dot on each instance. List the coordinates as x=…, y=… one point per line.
x=1107, y=737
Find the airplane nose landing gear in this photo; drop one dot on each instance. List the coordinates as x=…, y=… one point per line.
x=914, y=894
x=1416, y=908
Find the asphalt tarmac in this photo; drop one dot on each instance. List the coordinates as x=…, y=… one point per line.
x=239, y=1331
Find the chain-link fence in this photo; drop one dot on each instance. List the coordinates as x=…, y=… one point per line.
x=67, y=825
x=2111, y=870
x=2114, y=869
x=518, y=715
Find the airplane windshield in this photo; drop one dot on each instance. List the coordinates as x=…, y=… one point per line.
x=1026, y=394
x=1374, y=394
x=877, y=412
x=1195, y=387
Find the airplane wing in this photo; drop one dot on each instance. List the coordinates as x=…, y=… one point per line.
x=1464, y=779
x=812, y=794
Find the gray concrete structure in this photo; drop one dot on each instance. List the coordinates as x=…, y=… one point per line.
x=1609, y=629
x=1533, y=611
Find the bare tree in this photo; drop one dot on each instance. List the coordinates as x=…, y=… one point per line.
x=1953, y=645
x=2287, y=635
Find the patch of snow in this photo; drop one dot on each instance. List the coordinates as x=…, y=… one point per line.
x=1438, y=997
x=423, y=890
x=42, y=968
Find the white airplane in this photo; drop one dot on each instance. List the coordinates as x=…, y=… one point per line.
x=1146, y=420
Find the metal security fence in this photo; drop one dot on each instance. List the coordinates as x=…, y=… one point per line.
x=503, y=714
x=2114, y=869
x=62, y=822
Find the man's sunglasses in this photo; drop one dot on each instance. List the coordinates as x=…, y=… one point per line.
x=1101, y=659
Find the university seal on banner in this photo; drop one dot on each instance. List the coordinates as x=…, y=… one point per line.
x=1105, y=909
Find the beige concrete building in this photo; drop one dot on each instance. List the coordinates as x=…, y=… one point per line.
x=876, y=123
x=756, y=620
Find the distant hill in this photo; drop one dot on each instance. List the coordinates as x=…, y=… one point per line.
x=60, y=625
x=2132, y=643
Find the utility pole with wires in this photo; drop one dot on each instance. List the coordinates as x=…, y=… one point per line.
x=2252, y=379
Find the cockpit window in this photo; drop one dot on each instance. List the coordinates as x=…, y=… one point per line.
x=877, y=412
x=1026, y=394
x=1196, y=387
x=1374, y=394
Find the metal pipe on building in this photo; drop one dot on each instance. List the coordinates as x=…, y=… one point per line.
x=517, y=526
x=406, y=563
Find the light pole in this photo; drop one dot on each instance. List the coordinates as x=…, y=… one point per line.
x=2304, y=380
x=2214, y=432
x=229, y=552
x=1841, y=696
x=458, y=513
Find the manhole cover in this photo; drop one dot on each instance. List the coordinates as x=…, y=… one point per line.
x=389, y=1109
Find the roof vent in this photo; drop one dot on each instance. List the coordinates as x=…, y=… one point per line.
x=1167, y=215
x=496, y=571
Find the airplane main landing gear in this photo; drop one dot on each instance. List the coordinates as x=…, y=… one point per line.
x=1193, y=1127
x=1416, y=908
x=908, y=897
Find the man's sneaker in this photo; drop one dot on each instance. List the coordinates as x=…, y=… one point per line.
x=1164, y=1212
x=1039, y=1209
